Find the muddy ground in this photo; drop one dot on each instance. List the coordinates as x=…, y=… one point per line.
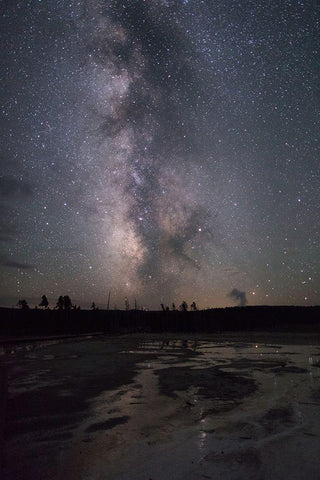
x=162, y=406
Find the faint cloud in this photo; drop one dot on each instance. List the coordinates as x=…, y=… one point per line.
x=5, y=262
x=11, y=187
x=7, y=232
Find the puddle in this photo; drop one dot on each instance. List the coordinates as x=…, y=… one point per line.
x=163, y=407
x=108, y=424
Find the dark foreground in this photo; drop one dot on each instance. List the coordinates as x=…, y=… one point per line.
x=241, y=406
x=15, y=322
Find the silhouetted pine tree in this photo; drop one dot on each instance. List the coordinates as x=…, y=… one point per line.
x=67, y=302
x=60, y=303
x=184, y=306
x=193, y=307
x=23, y=304
x=44, y=302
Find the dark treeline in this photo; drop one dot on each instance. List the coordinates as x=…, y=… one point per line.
x=26, y=322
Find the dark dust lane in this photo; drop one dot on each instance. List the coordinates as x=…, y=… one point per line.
x=143, y=406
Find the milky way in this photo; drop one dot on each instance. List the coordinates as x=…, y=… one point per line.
x=162, y=151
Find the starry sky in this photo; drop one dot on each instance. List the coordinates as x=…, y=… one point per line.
x=160, y=150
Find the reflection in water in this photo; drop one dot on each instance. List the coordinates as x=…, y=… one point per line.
x=24, y=346
x=18, y=348
x=175, y=344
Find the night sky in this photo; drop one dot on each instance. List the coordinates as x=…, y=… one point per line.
x=162, y=150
